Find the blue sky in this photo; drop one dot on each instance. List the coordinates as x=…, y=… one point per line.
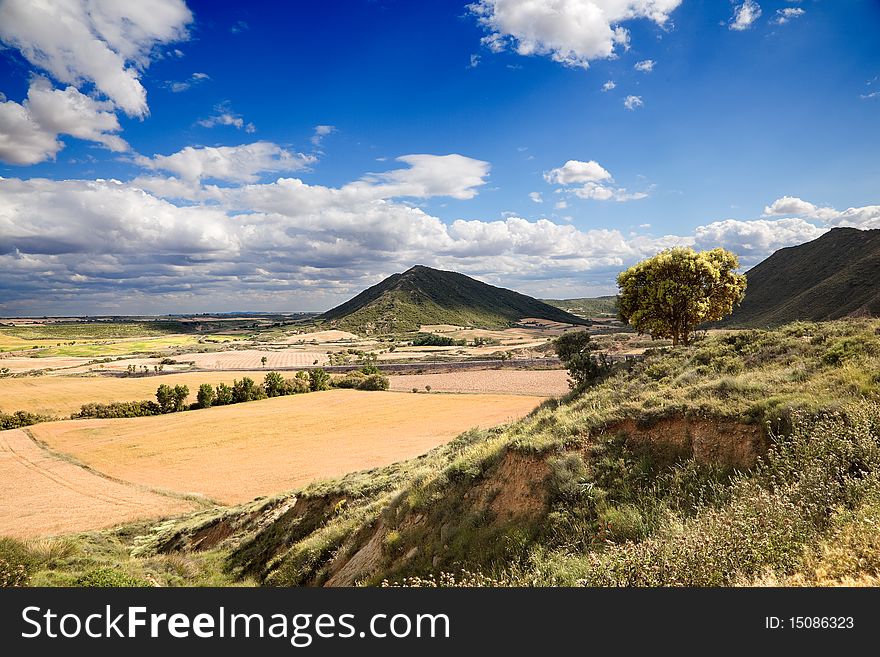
x=282, y=156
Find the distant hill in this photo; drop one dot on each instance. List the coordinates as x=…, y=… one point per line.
x=588, y=306
x=421, y=295
x=834, y=276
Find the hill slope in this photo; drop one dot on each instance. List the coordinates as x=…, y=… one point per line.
x=587, y=306
x=834, y=276
x=421, y=295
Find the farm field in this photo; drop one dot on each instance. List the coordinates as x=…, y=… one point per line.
x=251, y=358
x=46, y=495
x=232, y=454
x=61, y=396
x=511, y=382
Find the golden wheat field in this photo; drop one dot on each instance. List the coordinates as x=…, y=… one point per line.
x=235, y=453
x=61, y=396
x=45, y=495
x=551, y=383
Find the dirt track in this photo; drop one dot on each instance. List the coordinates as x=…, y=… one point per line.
x=45, y=495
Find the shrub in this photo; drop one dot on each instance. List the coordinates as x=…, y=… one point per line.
x=434, y=340
x=298, y=385
x=171, y=399
x=223, y=396
x=17, y=563
x=108, y=577
x=205, y=396
x=319, y=380
x=274, y=385
x=575, y=351
x=349, y=380
x=374, y=382
x=118, y=409
x=246, y=390
x=622, y=523
x=21, y=419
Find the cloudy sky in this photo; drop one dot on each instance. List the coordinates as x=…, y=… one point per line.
x=168, y=156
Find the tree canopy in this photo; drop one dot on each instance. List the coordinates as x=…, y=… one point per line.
x=668, y=295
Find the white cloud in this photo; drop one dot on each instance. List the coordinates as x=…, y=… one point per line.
x=785, y=15
x=29, y=131
x=609, y=85
x=591, y=176
x=536, y=197
x=433, y=175
x=224, y=115
x=474, y=61
x=645, y=66
x=572, y=32
x=755, y=240
x=320, y=132
x=744, y=15
x=241, y=163
x=561, y=205
x=575, y=171
x=194, y=79
x=633, y=102
x=106, y=42
x=792, y=205
x=868, y=96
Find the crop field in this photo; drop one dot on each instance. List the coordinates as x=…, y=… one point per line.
x=220, y=360
x=61, y=396
x=550, y=383
x=234, y=453
x=45, y=495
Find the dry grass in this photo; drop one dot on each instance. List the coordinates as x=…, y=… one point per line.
x=235, y=453
x=550, y=383
x=61, y=396
x=45, y=495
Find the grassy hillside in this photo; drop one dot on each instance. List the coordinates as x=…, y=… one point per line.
x=834, y=276
x=752, y=457
x=588, y=306
x=421, y=295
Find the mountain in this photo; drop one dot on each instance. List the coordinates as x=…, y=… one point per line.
x=834, y=276
x=421, y=295
x=587, y=306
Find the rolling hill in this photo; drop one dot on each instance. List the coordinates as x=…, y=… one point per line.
x=834, y=276
x=587, y=306
x=422, y=295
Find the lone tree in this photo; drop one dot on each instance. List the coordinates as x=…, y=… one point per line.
x=668, y=295
x=575, y=351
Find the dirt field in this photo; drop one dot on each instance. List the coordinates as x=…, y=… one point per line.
x=551, y=383
x=44, y=495
x=61, y=396
x=235, y=453
x=251, y=358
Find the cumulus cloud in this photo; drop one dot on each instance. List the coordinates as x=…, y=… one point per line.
x=536, y=197
x=645, y=66
x=572, y=32
x=241, y=163
x=320, y=132
x=633, y=102
x=593, y=179
x=792, y=205
x=107, y=43
x=29, y=131
x=755, y=240
x=609, y=85
x=474, y=61
x=433, y=175
x=575, y=171
x=184, y=85
x=744, y=15
x=224, y=115
x=783, y=16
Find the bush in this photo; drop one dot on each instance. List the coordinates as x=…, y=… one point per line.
x=108, y=577
x=118, y=409
x=374, y=382
x=17, y=563
x=223, y=396
x=574, y=350
x=319, y=380
x=298, y=385
x=246, y=390
x=171, y=399
x=623, y=523
x=21, y=419
x=434, y=340
x=349, y=380
x=205, y=396
x=274, y=385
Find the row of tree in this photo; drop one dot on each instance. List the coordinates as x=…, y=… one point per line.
x=172, y=399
